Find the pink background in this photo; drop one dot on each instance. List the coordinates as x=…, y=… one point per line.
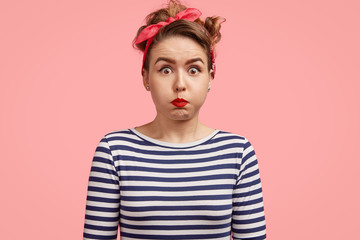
x=288, y=78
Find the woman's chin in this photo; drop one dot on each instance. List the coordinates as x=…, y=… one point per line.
x=179, y=115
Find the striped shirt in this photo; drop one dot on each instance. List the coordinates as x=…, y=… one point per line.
x=208, y=189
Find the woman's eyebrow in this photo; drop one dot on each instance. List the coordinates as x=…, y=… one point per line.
x=194, y=60
x=173, y=61
x=165, y=59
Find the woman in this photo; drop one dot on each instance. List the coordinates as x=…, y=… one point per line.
x=175, y=178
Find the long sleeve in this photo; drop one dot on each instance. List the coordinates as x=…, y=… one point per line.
x=103, y=196
x=248, y=220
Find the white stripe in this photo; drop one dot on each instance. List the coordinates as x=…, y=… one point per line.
x=108, y=176
x=160, y=149
x=248, y=207
x=102, y=155
x=103, y=195
x=178, y=156
x=223, y=238
x=249, y=225
x=103, y=165
x=250, y=179
x=177, y=213
x=101, y=223
x=179, y=184
x=102, y=214
x=248, y=150
x=103, y=144
x=247, y=198
x=247, y=189
x=176, y=232
x=175, y=222
x=103, y=185
x=248, y=217
x=176, y=203
x=100, y=232
x=249, y=235
x=124, y=135
x=102, y=204
x=180, y=165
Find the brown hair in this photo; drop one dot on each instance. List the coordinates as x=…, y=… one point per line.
x=207, y=33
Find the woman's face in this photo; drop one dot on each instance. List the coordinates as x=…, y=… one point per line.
x=178, y=69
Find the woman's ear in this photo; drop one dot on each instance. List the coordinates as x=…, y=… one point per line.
x=212, y=74
x=145, y=76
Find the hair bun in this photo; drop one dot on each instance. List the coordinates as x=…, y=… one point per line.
x=213, y=26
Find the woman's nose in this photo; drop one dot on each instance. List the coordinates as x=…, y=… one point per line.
x=180, y=82
x=180, y=88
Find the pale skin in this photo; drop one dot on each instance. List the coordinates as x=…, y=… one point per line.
x=177, y=69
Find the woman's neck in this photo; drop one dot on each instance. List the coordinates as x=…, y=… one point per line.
x=175, y=131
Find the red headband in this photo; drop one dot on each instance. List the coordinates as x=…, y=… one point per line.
x=148, y=33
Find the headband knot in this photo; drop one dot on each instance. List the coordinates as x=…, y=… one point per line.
x=148, y=33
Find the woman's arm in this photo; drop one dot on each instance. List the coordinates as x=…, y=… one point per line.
x=248, y=220
x=103, y=196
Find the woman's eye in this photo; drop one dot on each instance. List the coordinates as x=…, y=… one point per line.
x=165, y=70
x=194, y=70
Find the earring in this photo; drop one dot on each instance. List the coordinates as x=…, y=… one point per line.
x=208, y=89
x=147, y=87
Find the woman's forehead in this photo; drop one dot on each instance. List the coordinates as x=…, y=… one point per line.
x=177, y=48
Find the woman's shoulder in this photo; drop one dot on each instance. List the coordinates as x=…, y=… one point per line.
x=120, y=137
x=231, y=135
x=119, y=132
x=124, y=134
x=238, y=141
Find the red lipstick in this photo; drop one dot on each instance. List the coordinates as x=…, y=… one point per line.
x=179, y=102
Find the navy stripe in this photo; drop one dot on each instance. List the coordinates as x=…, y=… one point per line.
x=103, y=180
x=249, y=212
x=177, y=237
x=101, y=160
x=129, y=140
x=100, y=199
x=262, y=237
x=177, y=208
x=248, y=184
x=99, y=237
x=185, y=160
x=101, y=219
x=245, y=194
x=183, y=179
x=246, y=203
x=174, y=153
x=176, y=189
x=249, y=230
x=177, y=218
x=176, y=198
x=101, y=228
x=248, y=221
x=103, y=149
x=251, y=174
x=104, y=190
x=175, y=227
x=179, y=170
x=102, y=209
x=103, y=170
